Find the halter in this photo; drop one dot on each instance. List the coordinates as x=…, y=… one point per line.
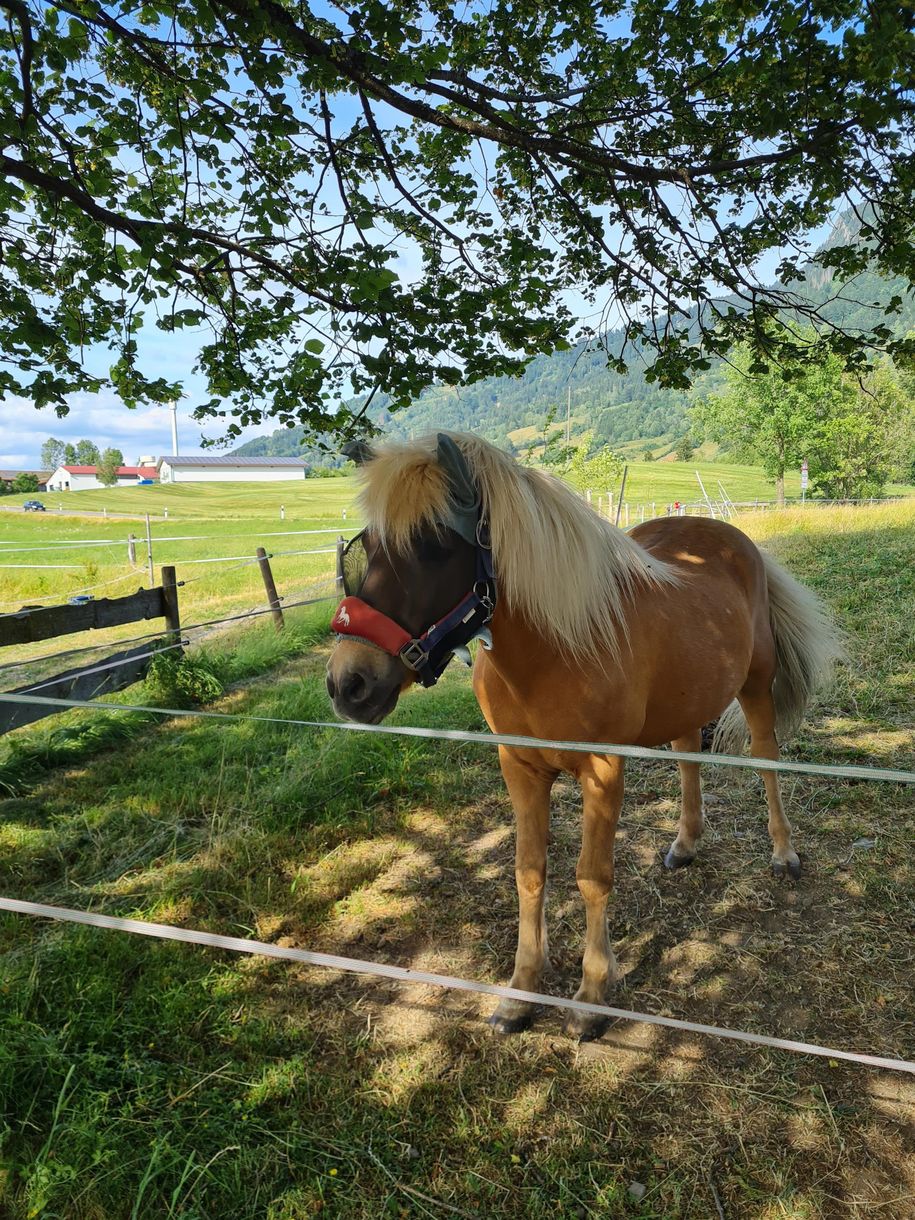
x=428, y=654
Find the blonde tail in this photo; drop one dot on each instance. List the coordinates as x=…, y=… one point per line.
x=807, y=645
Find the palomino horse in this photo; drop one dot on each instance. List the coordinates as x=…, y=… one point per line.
x=596, y=635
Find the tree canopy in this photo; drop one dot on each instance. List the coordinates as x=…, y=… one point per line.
x=385, y=195
x=108, y=463
x=855, y=432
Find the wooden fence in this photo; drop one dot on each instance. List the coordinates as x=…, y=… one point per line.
x=117, y=670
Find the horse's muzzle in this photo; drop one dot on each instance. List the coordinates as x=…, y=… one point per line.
x=361, y=697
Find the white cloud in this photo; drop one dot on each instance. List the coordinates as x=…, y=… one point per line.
x=101, y=418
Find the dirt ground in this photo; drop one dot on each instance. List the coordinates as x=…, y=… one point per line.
x=723, y=1129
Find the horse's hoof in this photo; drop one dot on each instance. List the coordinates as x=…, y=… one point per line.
x=514, y=1022
x=787, y=868
x=672, y=860
x=584, y=1026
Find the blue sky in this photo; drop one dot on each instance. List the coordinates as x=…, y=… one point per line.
x=104, y=419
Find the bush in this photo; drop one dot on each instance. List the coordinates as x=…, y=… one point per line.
x=182, y=681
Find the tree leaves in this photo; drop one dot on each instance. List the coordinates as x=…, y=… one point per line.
x=386, y=199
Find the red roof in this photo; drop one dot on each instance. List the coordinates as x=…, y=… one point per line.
x=147, y=472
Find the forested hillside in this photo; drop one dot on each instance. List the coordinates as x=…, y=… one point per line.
x=616, y=407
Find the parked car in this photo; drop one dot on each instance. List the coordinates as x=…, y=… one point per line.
x=34, y=506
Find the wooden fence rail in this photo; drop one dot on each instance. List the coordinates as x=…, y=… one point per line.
x=115, y=671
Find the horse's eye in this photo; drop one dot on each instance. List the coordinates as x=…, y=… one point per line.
x=431, y=550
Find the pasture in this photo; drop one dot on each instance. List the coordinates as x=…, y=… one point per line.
x=142, y=1079
x=206, y=522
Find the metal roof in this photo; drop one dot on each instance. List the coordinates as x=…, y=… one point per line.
x=148, y=472
x=228, y=460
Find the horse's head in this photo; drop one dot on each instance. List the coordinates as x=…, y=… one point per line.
x=412, y=597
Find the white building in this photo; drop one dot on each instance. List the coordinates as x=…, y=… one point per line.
x=173, y=469
x=85, y=478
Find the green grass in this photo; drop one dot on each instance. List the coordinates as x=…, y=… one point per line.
x=152, y=1080
x=304, y=500
x=206, y=521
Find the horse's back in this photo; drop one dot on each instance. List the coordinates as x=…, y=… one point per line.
x=691, y=543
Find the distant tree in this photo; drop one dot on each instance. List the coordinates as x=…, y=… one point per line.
x=108, y=465
x=769, y=415
x=5, y=488
x=685, y=448
x=70, y=455
x=87, y=453
x=843, y=425
x=52, y=454
x=24, y=483
x=852, y=451
x=648, y=454
x=594, y=469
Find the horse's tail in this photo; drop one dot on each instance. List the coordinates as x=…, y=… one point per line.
x=807, y=645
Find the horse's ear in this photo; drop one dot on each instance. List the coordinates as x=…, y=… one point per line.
x=453, y=462
x=465, y=498
x=359, y=452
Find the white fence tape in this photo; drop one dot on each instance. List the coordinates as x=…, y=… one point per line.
x=513, y=740
x=402, y=974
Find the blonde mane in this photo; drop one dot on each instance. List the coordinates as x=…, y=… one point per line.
x=559, y=565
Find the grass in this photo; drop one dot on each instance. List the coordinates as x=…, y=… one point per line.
x=153, y=1080
x=304, y=500
x=206, y=522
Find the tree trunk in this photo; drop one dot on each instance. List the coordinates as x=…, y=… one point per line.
x=780, y=489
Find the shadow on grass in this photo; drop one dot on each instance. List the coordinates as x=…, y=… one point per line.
x=155, y=1080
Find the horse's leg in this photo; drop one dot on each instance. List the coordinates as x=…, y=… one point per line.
x=602, y=799
x=689, y=828
x=759, y=710
x=529, y=789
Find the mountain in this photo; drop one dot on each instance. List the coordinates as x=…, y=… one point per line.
x=616, y=407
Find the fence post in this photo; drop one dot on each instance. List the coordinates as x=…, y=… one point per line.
x=149, y=561
x=170, y=602
x=272, y=597
x=132, y=550
x=341, y=543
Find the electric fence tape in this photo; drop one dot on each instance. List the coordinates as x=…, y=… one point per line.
x=402, y=974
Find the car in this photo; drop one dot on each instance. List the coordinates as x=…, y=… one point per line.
x=34, y=506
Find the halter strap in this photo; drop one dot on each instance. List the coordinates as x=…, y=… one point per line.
x=428, y=654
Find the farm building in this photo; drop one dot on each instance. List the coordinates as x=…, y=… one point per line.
x=85, y=478
x=228, y=469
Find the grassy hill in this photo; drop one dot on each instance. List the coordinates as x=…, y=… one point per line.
x=303, y=500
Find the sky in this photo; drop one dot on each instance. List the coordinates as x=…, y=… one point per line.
x=101, y=418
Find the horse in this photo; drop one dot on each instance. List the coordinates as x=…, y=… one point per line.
x=589, y=633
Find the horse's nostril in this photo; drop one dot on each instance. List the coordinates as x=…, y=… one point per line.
x=331, y=686
x=354, y=688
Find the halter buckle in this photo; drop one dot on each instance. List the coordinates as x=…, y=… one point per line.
x=413, y=655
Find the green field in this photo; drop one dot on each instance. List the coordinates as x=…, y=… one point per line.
x=304, y=500
x=140, y=1079
x=42, y=560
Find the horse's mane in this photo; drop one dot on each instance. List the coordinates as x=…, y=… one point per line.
x=557, y=563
